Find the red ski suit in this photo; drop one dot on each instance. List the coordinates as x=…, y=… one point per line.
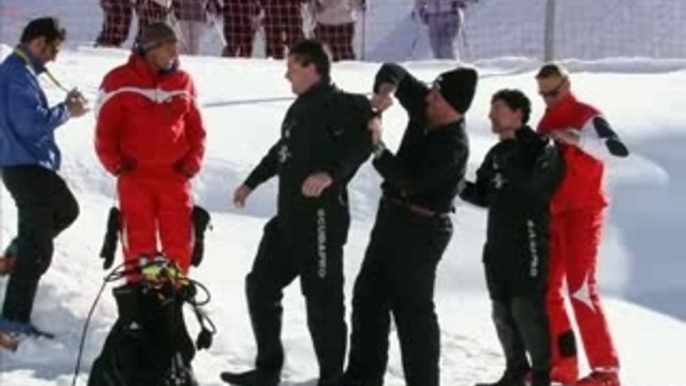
x=150, y=134
x=576, y=224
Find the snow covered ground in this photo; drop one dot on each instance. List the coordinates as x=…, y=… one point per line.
x=641, y=270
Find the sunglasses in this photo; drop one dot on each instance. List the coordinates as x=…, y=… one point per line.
x=555, y=91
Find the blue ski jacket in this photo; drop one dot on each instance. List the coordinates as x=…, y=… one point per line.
x=27, y=123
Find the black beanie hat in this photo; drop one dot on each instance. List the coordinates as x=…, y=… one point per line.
x=155, y=35
x=458, y=87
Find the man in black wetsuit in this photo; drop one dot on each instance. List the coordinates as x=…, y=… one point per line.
x=413, y=225
x=516, y=182
x=324, y=140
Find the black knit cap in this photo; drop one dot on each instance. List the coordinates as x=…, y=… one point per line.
x=155, y=35
x=458, y=87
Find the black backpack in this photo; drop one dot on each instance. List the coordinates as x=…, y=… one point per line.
x=149, y=344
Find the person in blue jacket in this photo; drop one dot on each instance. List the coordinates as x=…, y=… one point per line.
x=29, y=161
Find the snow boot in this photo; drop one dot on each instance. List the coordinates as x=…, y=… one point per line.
x=511, y=377
x=13, y=332
x=565, y=373
x=600, y=378
x=251, y=378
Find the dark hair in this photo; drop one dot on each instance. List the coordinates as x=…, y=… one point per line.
x=310, y=51
x=49, y=28
x=515, y=100
x=552, y=69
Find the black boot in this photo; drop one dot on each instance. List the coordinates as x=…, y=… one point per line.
x=251, y=378
x=266, y=315
x=349, y=379
x=533, y=325
x=511, y=377
x=540, y=378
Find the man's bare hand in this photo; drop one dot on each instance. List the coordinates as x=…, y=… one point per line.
x=383, y=99
x=568, y=136
x=240, y=196
x=381, y=102
x=315, y=184
x=376, y=129
x=76, y=104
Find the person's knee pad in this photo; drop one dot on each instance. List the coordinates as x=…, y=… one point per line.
x=566, y=344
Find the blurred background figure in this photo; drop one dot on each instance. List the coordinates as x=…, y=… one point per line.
x=191, y=16
x=117, y=15
x=239, y=27
x=445, y=19
x=283, y=25
x=335, y=25
x=150, y=12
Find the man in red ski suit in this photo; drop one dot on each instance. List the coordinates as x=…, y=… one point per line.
x=576, y=223
x=151, y=137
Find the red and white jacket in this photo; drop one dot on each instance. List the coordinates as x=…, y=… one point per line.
x=149, y=120
x=582, y=186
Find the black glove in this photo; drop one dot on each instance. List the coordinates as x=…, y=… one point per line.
x=109, y=246
x=201, y=221
x=204, y=340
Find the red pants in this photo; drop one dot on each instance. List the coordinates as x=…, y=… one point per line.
x=116, y=22
x=152, y=207
x=283, y=26
x=575, y=238
x=339, y=38
x=238, y=29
